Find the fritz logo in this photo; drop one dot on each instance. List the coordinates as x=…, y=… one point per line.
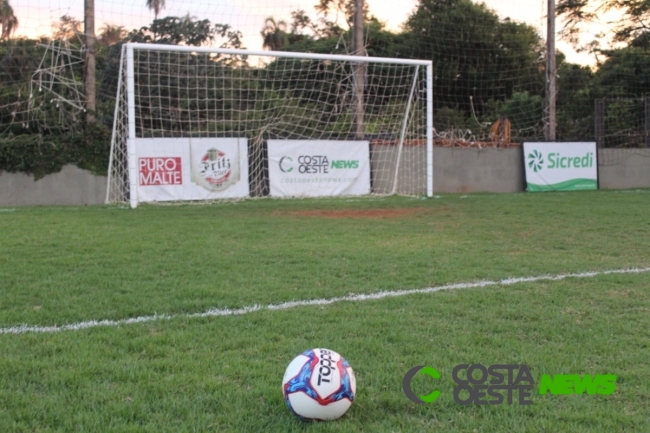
x=160, y=171
x=215, y=167
x=215, y=170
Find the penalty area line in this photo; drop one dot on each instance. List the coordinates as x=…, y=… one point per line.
x=217, y=312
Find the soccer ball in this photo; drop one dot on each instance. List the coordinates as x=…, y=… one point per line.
x=319, y=385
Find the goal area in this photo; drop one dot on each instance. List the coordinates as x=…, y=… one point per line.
x=200, y=123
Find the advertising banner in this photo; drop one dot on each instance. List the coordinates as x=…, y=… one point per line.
x=316, y=168
x=191, y=168
x=560, y=166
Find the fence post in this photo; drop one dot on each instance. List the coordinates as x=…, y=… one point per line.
x=646, y=126
x=599, y=122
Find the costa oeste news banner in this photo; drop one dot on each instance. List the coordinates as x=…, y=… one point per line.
x=317, y=168
x=560, y=166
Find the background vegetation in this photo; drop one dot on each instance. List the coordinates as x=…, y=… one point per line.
x=485, y=67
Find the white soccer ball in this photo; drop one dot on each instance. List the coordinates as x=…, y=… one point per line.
x=319, y=385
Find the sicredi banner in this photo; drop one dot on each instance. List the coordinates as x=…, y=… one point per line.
x=191, y=168
x=315, y=168
x=560, y=166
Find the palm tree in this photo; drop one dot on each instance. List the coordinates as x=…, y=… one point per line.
x=274, y=34
x=156, y=6
x=111, y=34
x=8, y=20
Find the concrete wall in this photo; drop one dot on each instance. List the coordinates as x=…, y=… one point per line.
x=477, y=170
x=623, y=168
x=456, y=170
x=461, y=170
x=70, y=186
x=412, y=169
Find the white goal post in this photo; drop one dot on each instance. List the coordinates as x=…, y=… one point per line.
x=201, y=123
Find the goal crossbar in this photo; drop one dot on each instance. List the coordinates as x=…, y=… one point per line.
x=285, y=54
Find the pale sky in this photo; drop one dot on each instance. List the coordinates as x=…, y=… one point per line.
x=248, y=16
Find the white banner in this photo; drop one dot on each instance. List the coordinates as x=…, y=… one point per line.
x=560, y=166
x=315, y=168
x=191, y=168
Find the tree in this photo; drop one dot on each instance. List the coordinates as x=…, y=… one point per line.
x=327, y=23
x=624, y=74
x=575, y=101
x=68, y=28
x=477, y=57
x=634, y=22
x=326, y=34
x=622, y=77
x=110, y=34
x=8, y=20
x=274, y=34
x=186, y=31
x=156, y=6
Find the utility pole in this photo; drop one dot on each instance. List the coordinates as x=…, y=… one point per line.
x=90, y=80
x=359, y=49
x=551, y=91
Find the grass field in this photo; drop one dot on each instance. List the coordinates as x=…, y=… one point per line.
x=182, y=372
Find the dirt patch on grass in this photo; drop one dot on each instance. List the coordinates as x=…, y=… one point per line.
x=360, y=213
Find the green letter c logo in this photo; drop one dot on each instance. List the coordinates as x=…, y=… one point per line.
x=406, y=384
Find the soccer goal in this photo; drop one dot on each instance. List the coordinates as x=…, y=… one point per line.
x=199, y=123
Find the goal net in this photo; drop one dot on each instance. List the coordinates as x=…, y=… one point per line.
x=208, y=123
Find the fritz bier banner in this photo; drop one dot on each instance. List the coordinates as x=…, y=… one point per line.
x=560, y=166
x=315, y=168
x=191, y=168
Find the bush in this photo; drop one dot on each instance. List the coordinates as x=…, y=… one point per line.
x=40, y=155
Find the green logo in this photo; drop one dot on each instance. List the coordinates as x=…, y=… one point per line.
x=535, y=161
x=558, y=161
x=499, y=383
x=406, y=384
x=287, y=170
x=568, y=384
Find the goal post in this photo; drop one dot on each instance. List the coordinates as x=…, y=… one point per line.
x=201, y=123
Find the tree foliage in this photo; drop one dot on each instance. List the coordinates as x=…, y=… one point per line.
x=156, y=6
x=111, y=34
x=477, y=57
x=635, y=20
x=274, y=34
x=575, y=101
x=187, y=31
x=484, y=67
x=8, y=20
x=624, y=74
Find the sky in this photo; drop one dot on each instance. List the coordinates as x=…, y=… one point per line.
x=248, y=16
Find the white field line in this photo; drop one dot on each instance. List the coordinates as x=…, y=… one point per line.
x=216, y=312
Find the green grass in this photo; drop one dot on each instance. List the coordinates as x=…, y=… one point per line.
x=64, y=265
